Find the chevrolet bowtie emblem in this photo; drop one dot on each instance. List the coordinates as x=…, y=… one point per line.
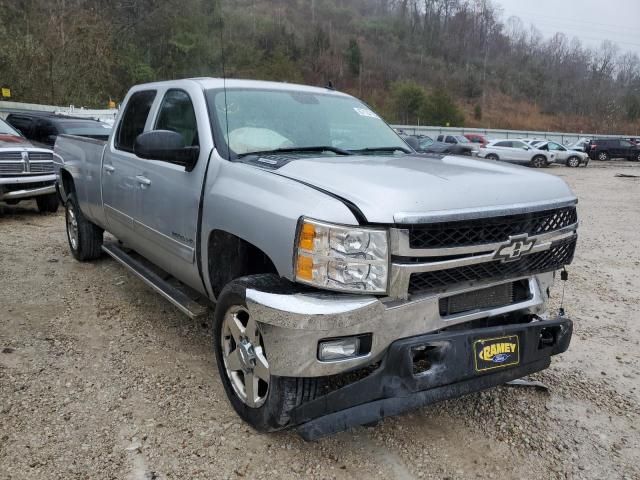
x=515, y=248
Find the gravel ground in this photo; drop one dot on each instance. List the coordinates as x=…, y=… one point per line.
x=101, y=378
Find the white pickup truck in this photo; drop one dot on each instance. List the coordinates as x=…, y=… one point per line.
x=349, y=278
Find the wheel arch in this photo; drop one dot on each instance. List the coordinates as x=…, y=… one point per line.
x=231, y=257
x=66, y=184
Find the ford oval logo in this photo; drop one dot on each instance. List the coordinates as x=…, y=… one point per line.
x=500, y=358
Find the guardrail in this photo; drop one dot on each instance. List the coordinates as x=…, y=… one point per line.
x=560, y=137
x=104, y=115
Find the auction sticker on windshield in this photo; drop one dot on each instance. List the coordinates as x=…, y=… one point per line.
x=493, y=353
x=364, y=112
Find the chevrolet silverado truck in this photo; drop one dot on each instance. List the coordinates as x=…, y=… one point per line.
x=347, y=277
x=26, y=172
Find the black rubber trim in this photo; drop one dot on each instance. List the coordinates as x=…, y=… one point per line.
x=394, y=388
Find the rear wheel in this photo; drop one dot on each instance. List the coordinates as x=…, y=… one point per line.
x=48, y=203
x=573, y=162
x=85, y=238
x=538, y=161
x=260, y=398
x=492, y=156
x=603, y=156
x=637, y=158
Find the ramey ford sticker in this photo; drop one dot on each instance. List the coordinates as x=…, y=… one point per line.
x=492, y=353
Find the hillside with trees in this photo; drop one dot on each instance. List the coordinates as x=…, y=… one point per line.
x=456, y=62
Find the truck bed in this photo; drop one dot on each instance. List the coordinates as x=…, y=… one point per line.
x=83, y=157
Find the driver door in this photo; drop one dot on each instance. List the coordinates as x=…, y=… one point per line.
x=168, y=195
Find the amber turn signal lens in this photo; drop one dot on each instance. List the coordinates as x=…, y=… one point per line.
x=304, y=267
x=307, y=234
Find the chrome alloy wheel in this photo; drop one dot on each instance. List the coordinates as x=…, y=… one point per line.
x=72, y=226
x=244, y=357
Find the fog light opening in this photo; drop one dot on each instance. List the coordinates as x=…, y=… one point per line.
x=422, y=359
x=344, y=348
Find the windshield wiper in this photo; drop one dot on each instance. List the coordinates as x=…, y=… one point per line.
x=382, y=149
x=320, y=148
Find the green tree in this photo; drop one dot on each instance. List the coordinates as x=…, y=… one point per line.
x=440, y=109
x=354, y=57
x=408, y=101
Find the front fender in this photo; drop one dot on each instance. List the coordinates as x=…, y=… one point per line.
x=263, y=209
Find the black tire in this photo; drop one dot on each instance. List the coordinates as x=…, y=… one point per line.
x=48, y=203
x=602, y=156
x=539, y=161
x=283, y=394
x=492, y=156
x=573, y=162
x=85, y=241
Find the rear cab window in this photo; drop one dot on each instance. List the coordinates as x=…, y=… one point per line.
x=134, y=119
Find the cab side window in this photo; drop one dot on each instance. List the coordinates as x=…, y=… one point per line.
x=177, y=114
x=134, y=119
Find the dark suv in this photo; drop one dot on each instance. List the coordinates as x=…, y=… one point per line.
x=43, y=128
x=607, y=148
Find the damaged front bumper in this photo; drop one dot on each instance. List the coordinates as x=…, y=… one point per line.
x=448, y=369
x=293, y=324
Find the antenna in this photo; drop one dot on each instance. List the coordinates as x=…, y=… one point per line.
x=224, y=80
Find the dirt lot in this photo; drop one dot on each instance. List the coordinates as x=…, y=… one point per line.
x=101, y=378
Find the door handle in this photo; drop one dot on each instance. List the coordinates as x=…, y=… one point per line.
x=143, y=181
x=109, y=168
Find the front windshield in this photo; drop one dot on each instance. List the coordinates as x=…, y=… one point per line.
x=6, y=129
x=265, y=120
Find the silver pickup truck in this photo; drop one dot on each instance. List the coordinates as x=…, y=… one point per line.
x=349, y=278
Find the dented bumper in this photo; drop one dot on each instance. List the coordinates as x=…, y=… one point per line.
x=448, y=369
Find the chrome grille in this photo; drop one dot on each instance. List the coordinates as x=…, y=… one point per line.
x=559, y=255
x=42, y=167
x=489, y=230
x=11, y=168
x=33, y=156
x=11, y=156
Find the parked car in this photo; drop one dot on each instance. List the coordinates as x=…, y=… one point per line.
x=477, y=138
x=460, y=145
x=516, y=151
x=43, y=128
x=26, y=172
x=570, y=158
x=419, y=143
x=579, y=145
x=313, y=230
x=607, y=148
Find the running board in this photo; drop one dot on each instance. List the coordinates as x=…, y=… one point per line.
x=179, y=298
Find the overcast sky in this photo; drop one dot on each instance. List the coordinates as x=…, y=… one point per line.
x=592, y=21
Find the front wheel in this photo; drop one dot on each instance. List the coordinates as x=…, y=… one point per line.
x=603, y=156
x=573, y=162
x=538, y=161
x=637, y=158
x=261, y=399
x=85, y=238
x=48, y=203
x=492, y=156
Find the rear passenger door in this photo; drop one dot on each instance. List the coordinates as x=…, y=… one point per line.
x=120, y=166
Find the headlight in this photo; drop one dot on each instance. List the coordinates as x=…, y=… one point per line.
x=335, y=257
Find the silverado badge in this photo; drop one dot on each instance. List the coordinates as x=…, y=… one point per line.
x=514, y=248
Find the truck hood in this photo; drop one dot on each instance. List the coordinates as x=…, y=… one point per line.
x=412, y=188
x=7, y=140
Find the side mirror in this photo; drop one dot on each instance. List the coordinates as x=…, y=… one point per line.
x=527, y=148
x=412, y=142
x=51, y=139
x=166, y=146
